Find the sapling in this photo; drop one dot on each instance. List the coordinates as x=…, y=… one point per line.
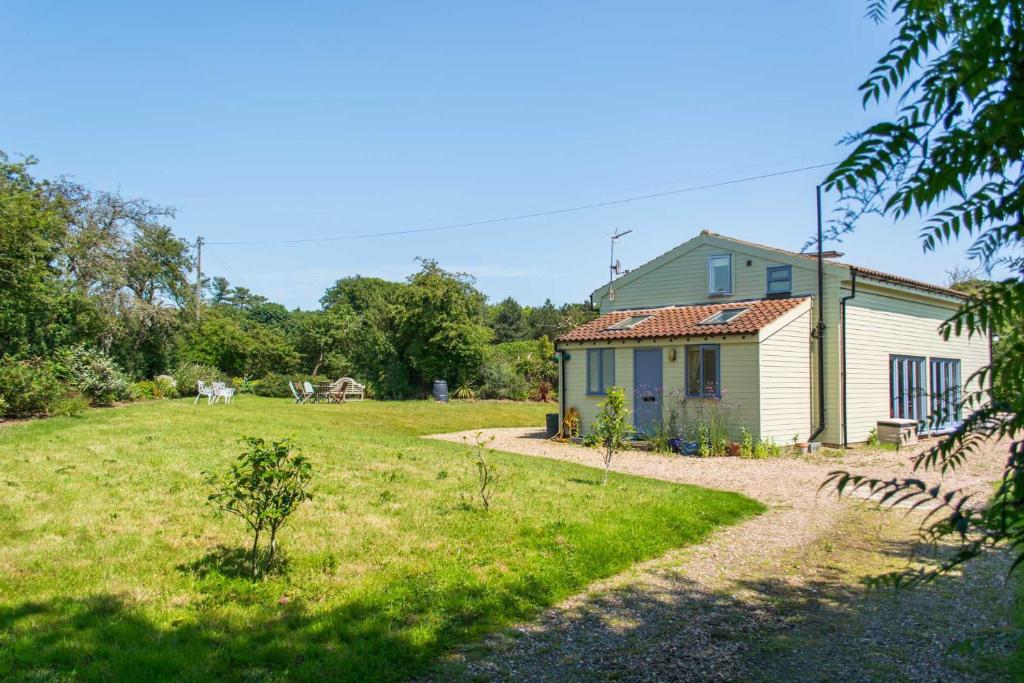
x=612, y=430
x=486, y=476
x=263, y=486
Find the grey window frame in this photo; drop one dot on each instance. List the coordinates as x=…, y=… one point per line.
x=779, y=269
x=718, y=370
x=600, y=355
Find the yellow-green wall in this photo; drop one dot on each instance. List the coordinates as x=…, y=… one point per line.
x=879, y=324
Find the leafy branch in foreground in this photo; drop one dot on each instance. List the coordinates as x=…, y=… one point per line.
x=953, y=156
x=263, y=487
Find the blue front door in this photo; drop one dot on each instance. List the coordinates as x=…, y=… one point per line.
x=647, y=389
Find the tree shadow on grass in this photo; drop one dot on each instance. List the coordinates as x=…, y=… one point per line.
x=231, y=563
x=822, y=627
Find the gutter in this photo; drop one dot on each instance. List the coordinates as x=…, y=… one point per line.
x=842, y=306
x=820, y=329
x=561, y=390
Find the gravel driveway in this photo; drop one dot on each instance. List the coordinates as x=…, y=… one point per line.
x=775, y=598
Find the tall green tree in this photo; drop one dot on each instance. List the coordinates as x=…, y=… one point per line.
x=509, y=321
x=953, y=156
x=33, y=300
x=442, y=325
x=545, y=321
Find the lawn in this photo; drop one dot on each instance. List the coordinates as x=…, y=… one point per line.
x=113, y=565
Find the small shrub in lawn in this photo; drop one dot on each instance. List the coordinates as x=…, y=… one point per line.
x=263, y=487
x=95, y=374
x=485, y=473
x=29, y=387
x=188, y=375
x=612, y=429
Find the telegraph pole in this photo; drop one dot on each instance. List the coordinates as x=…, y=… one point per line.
x=199, y=277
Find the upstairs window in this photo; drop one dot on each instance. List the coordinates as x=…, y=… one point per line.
x=702, y=371
x=720, y=275
x=600, y=370
x=780, y=280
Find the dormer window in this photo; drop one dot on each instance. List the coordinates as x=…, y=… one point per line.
x=722, y=317
x=720, y=275
x=629, y=323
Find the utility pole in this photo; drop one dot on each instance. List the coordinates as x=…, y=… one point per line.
x=611, y=263
x=199, y=277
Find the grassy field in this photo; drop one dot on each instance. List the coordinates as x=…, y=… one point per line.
x=113, y=566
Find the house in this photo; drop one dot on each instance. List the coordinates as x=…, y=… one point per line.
x=721, y=319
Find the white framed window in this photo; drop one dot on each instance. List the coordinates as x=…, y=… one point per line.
x=720, y=275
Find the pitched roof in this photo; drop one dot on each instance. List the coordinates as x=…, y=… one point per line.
x=685, y=321
x=868, y=272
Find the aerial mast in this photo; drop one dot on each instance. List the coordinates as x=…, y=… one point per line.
x=613, y=267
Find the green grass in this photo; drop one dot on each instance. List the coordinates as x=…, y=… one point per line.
x=113, y=566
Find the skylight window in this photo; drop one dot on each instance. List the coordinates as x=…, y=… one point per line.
x=722, y=317
x=629, y=323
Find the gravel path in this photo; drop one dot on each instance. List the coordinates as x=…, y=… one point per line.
x=757, y=600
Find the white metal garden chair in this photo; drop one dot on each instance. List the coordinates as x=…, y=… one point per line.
x=222, y=391
x=204, y=390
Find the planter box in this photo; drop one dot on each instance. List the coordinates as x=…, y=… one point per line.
x=897, y=432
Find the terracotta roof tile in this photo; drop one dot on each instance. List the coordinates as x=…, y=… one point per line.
x=685, y=321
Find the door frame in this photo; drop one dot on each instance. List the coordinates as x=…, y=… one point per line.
x=661, y=373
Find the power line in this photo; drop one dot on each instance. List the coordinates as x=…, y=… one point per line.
x=231, y=271
x=524, y=216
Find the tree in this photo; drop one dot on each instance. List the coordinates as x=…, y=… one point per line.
x=612, y=430
x=509, y=322
x=545, y=321
x=238, y=346
x=953, y=155
x=441, y=325
x=31, y=230
x=264, y=486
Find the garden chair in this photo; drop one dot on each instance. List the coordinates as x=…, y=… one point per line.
x=309, y=391
x=353, y=389
x=221, y=390
x=299, y=396
x=336, y=392
x=204, y=390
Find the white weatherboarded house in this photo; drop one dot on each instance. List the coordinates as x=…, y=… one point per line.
x=721, y=318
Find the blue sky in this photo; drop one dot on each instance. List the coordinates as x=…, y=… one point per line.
x=269, y=121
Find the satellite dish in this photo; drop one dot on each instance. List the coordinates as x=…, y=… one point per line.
x=618, y=267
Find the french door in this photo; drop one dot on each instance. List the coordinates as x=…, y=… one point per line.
x=906, y=388
x=944, y=377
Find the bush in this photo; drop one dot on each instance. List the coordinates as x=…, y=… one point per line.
x=93, y=373
x=165, y=386
x=275, y=385
x=187, y=376
x=263, y=487
x=69, y=405
x=499, y=379
x=29, y=387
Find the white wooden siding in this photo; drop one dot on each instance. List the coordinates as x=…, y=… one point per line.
x=878, y=326
x=684, y=280
x=785, y=371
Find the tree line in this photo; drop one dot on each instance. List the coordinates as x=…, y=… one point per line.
x=85, y=269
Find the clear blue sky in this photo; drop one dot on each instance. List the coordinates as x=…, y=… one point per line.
x=273, y=120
